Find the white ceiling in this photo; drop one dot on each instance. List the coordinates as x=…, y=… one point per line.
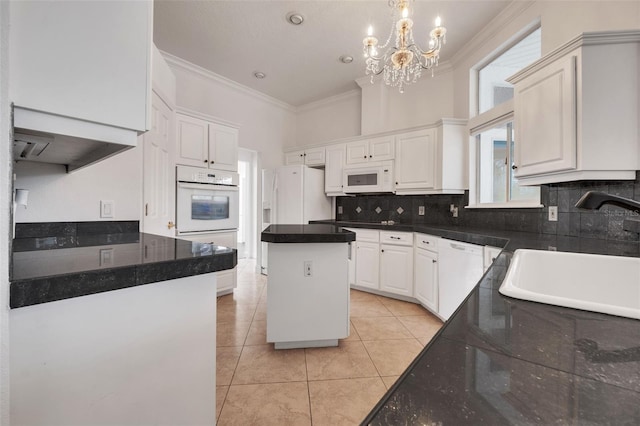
x=236, y=38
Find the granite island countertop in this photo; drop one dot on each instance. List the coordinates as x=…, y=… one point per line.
x=56, y=265
x=313, y=233
x=506, y=361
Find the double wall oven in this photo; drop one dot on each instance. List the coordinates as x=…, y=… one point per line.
x=207, y=211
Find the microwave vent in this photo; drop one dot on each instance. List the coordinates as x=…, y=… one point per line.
x=29, y=146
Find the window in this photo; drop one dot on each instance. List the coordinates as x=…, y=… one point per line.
x=492, y=182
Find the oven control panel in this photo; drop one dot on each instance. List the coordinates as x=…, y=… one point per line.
x=201, y=175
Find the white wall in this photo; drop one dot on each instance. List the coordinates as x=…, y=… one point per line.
x=342, y=112
x=5, y=203
x=56, y=196
x=266, y=125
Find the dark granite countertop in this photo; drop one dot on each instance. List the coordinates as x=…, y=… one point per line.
x=314, y=233
x=504, y=361
x=46, y=268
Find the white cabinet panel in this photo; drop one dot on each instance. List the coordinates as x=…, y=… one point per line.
x=368, y=264
x=416, y=160
x=335, y=159
x=377, y=149
x=193, y=148
x=357, y=152
x=223, y=147
x=426, y=278
x=396, y=269
x=295, y=158
x=549, y=147
x=314, y=156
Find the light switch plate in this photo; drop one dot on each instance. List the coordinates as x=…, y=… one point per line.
x=106, y=209
x=339, y=209
x=420, y=210
x=553, y=213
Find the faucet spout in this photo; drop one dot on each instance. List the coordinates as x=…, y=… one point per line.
x=593, y=200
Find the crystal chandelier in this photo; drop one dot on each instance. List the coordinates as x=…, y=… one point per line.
x=402, y=63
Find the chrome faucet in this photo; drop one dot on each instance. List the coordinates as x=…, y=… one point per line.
x=593, y=200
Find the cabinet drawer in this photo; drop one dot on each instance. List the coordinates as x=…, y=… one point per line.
x=427, y=242
x=398, y=238
x=369, y=235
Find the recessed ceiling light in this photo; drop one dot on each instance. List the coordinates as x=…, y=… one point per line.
x=346, y=59
x=259, y=75
x=295, y=18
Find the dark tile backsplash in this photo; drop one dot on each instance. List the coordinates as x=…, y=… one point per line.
x=605, y=223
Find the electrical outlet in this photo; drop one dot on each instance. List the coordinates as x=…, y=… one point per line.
x=454, y=212
x=307, y=268
x=420, y=210
x=553, y=213
x=339, y=209
x=106, y=209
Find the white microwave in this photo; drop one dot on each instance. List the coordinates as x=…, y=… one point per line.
x=372, y=177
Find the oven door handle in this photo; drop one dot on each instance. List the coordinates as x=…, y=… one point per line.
x=206, y=186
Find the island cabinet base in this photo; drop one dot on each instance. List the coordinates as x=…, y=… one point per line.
x=307, y=294
x=136, y=356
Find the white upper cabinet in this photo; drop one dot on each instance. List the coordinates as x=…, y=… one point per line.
x=89, y=61
x=205, y=144
x=577, y=112
x=432, y=161
x=309, y=157
x=377, y=149
x=335, y=159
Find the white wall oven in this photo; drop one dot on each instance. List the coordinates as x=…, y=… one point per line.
x=206, y=200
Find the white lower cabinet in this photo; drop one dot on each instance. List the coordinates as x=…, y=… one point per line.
x=396, y=269
x=368, y=264
x=426, y=271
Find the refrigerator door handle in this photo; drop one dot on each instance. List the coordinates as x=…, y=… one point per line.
x=274, y=198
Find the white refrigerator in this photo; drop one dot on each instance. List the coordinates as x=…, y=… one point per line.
x=292, y=195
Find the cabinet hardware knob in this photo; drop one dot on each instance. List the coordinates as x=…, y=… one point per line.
x=365, y=156
x=170, y=225
x=514, y=167
x=206, y=161
x=426, y=242
x=434, y=261
x=212, y=161
x=305, y=154
x=382, y=251
x=371, y=156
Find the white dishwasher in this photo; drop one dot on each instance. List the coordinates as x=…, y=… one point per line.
x=460, y=269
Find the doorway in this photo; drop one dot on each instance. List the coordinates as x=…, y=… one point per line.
x=248, y=194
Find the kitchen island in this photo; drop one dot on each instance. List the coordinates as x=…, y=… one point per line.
x=504, y=361
x=112, y=326
x=308, y=285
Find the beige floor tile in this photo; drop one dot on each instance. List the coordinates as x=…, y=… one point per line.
x=277, y=404
x=368, y=308
x=389, y=380
x=232, y=333
x=362, y=296
x=344, y=402
x=257, y=333
x=242, y=295
x=264, y=364
x=221, y=394
x=392, y=357
x=345, y=361
x=402, y=308
x=261, y=312
x=226, y=361
x=422, y=327
x=229, y=312
x=353, y=334
x=380, y=328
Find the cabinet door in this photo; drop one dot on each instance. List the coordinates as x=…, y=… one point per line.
x=192, y=135
x=382, y=149
x=367, y=266
x=426, y=279
x=357, y=152
x=334, y=164
x=545, y=120
x=223, y=147
x=416, y=160
x=314, y=157
x=396, y=269
x=295, y=158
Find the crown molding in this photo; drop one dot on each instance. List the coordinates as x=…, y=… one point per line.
x=178, y=62
x=497, y=24
x=329, y=100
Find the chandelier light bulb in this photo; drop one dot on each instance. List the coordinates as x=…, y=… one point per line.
x=438, y=21
x=405, y=12
x=370, y=31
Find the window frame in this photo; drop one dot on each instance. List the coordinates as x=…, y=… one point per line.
x=498, y=115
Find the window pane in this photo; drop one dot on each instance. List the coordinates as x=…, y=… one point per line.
x=492, y=87
x=520, y=193
x=492, y=165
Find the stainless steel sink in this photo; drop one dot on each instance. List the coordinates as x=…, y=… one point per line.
x=607, y=284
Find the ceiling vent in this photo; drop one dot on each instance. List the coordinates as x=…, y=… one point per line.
x=29, y=146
